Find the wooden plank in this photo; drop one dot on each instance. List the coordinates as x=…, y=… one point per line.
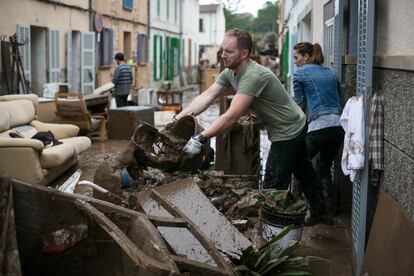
x=390, y=247
x=137, y=256
x=197, y=267
x=211, y=249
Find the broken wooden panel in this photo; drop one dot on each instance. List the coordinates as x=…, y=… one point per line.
x=186, y=196
x=120, y=241
x=40, y=210
x=390, y=248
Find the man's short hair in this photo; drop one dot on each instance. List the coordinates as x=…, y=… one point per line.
x=119, y=56
x=244, y=39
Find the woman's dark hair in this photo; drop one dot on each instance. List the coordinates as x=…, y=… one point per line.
x=119, y=56
x=244, y=39
x=313, y=50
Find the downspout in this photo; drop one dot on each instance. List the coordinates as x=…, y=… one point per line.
x=90, y=10
x=181, y=44
x=148, y=20
x=149, y=64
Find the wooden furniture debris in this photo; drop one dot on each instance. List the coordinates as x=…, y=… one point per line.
x=208, y=77
x=390, y=247
x=71, y=108
x=183, y=199
x=170, y=100
x=120, y=241
x=122, y=121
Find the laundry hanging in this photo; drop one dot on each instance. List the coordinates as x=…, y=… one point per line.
x=352, y=121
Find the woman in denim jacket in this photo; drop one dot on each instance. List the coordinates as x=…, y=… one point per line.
x=317, y=91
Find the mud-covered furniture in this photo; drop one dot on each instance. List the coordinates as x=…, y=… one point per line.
x=71, y=108
x=123, y=121
x=170, y=100
x=27, y=159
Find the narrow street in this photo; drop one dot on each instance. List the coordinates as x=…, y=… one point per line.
x=330, y=243
x=101, y=173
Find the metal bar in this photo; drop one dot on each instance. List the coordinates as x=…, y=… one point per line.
x=364, y=87
x=340, y=40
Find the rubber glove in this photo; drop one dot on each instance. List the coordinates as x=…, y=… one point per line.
x=193, y=146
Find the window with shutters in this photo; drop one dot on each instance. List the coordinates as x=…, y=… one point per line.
x=54, y=69
x=142, y=49
x=88, y=62
x=127, y=45
x=157, y=57
x=201, y=25
x=329, y=32
x=106, y=57
x=173, y=57
x=328, y=41
x=127, y=5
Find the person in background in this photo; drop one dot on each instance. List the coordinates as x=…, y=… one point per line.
x=317, y=91
x=260, y=90
x=122, y=80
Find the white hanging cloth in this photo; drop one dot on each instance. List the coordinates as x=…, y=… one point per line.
x=352, y=121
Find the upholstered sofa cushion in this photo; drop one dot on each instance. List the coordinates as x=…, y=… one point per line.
x=31, y=97
x=21, y=143
x=16, y=113
x=56, y=155
x=80, y=143
x=59, y=130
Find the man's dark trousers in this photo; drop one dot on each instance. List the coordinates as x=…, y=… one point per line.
x=291, y=156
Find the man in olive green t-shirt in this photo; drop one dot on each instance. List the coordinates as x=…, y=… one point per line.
x=259, y=90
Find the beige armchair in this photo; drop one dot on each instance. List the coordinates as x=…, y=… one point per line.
x=27, y=159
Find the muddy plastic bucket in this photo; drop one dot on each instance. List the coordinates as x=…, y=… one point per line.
x=280, y=219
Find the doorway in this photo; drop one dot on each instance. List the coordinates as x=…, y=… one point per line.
x=74, y=48
x=38, y=58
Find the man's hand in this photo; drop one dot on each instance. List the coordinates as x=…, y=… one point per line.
x=194, y=145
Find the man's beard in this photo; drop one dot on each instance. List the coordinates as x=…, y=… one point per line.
x=234, y=64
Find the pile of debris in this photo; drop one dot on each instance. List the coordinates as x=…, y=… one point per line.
x=152, y=210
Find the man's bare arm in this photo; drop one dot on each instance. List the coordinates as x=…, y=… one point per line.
x=239, y=106
x=202, y=101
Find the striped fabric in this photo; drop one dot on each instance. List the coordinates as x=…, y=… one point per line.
x=377, y=132
x=122, y=80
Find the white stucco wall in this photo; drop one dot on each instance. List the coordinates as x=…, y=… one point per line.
x=190, y=30
x=162, y=22
x=40, y=14
x=394, y=30
x=214, y=26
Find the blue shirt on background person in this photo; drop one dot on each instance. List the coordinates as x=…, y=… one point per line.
x=122, y=80
x=317, y=90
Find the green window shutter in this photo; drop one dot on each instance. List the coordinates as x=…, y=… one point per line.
x=158, y=8
x=155, y=63
x=161, y=58
x=179, y=43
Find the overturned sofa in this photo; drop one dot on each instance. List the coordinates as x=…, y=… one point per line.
x=27, y=159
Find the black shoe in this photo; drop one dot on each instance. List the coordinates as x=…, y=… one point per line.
x=313, y=218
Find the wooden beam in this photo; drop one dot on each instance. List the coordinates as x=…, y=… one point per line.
x=208, y=245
